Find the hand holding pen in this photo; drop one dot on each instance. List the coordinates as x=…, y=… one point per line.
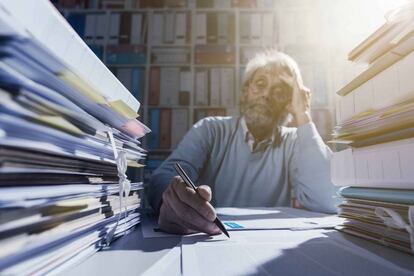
x=184, y=210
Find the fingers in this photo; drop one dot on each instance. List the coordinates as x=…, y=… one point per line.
x=168, y=221
x=188, y=226
x=287, y=78
x=205, y=192
x=294, y=83
x=196, y=201
x=185, y=215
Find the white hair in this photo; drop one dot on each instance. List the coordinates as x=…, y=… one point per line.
x=273, y=60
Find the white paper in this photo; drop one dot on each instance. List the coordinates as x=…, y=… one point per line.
x=235, y=219
x=281, y=252
x=169, y=264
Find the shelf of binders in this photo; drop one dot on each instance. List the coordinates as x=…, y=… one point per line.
x=193, y=107
x=137, y=10
x=191, y=52
x=168, y=4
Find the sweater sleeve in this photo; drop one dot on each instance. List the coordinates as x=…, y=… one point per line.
x=191, y=153
x=310, y=171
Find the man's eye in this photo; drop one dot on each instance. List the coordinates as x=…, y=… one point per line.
x=281, y=95
x=260, y=83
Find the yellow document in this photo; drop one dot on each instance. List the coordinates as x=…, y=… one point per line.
x=82, y=86
x=60, y=123
x=123, y=109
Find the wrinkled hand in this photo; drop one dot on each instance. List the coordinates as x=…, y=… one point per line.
x=299, y=107
x=185, y=211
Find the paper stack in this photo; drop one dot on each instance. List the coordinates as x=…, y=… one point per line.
x=375, y=115
x=64, y=151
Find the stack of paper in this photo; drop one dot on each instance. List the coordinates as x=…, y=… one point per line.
x=64, y=151
x=375, y=115
x=380, y=215
x=386, y=46
x=386, y=124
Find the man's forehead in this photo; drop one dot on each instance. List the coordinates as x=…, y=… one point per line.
x=271, y=70
x=272, y=73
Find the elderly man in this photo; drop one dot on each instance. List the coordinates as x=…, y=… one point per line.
x=251, y=160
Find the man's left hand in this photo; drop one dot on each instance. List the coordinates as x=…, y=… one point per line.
x=299, y=107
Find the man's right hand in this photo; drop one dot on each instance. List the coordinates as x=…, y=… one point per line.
x=185, y=211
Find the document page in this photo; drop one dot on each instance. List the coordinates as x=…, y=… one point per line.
x=237, y=219
x=281, y=252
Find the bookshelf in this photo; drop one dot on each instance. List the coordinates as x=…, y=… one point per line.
x=190, y=57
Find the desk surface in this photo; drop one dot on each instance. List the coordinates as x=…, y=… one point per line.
x=286, y=252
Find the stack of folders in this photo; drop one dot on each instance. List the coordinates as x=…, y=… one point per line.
x=375, y=115
x=64, y=150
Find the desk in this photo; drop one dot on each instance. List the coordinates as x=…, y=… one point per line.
x=286, y=252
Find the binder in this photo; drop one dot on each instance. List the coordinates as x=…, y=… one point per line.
x=245, y=28
x=125, y=28
x=256, y=28
x=154, y=86
x=215, y=54
x=201, y=88
x=123, y=54
x=201, y=28
x=170, y=85
x=114, y=25
x=157, y=32
x=125, y=76
x=186, y=87
x=169, y=27
x=179, y=126
x=90, y=28
x=137, y=83
x=243, y=3
x=180, y=28
x=223, y=28
x=227, y=87
x=215, y=83
x=102, y=27
x=154, y=123
x=212, y=27
x=205, y=3
x=163, y=55
x=165, y=128
x=136, y=28
x=268, y=28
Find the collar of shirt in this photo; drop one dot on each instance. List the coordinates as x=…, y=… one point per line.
x=255, y=146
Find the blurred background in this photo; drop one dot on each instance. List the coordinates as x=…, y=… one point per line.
x=183, y=59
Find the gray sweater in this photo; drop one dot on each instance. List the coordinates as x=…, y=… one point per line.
x=220, y=152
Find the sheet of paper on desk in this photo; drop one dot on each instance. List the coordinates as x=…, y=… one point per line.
x=236, y=219
x=281, y=252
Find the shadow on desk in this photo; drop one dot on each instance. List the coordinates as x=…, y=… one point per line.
x=326, y=256
x=136, y=242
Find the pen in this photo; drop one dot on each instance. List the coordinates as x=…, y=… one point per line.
x=190, y=184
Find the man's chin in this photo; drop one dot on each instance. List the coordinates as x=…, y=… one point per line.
x=259, y=120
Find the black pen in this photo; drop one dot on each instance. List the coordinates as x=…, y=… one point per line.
x=190, y=184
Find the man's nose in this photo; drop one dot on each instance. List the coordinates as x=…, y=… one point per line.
x=266, y=93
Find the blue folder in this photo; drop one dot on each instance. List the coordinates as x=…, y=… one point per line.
x=385, y=195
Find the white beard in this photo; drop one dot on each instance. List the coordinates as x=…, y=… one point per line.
x=259, y=116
